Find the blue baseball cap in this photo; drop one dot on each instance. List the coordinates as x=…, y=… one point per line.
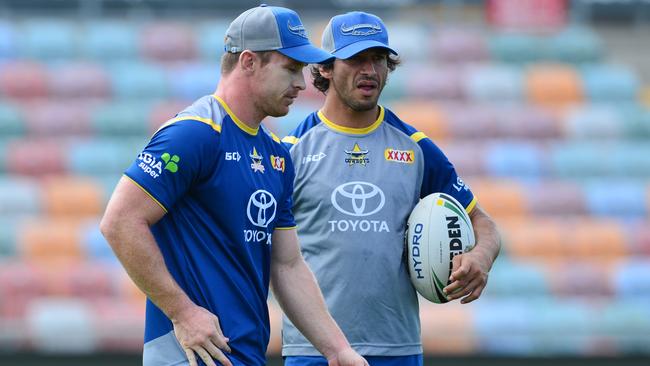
x=272, y=28
x=350, y=33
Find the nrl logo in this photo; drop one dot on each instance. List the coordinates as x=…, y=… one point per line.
x=356, y=156
x=298, y=30
x=360, y=29
x=257, y=161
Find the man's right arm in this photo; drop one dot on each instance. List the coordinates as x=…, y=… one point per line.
x=126, y=226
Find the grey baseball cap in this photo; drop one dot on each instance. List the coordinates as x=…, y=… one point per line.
x=273, y=28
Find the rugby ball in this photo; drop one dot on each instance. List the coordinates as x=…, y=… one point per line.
x=438, y=229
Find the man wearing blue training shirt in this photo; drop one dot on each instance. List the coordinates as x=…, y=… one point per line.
x=202, y=220
x=360, y=170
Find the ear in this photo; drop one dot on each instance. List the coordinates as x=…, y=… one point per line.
x=326, y=71
x=247, y=61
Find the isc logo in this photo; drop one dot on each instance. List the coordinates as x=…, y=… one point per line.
x=234, y=155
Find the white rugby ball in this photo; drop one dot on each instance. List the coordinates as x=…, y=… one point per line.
x=438, y=229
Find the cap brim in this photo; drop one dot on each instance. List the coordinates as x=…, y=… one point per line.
x=308, y=54
x=354, y=48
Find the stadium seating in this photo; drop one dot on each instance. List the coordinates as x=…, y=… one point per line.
x=548, y=129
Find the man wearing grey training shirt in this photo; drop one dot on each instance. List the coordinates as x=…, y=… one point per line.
x=360, y=171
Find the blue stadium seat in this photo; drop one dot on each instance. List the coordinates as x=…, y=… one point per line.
x=624, y=199
x=194, y=80
x=610, y=83
x=518, y=159
x=562, y=327
x=19, y=196
x=629, y=159
x=108, y=41
x=503, y=326
x=49, y=40
x=7, y=41
x=516, y=279
x=632, y=280
x=575, y=45
x=138, y=81
x=594, y=122
x=495, y=84
x=95, y=245
x=48, y=318
x=412, y=41
x=210, y=37
x=125, y=118
x=103, y=156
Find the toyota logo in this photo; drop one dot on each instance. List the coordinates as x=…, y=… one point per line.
x=261, y=208
x=358, y=198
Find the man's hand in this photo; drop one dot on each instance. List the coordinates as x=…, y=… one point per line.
x=347, y=357
x=468, y=277
x=198, y=330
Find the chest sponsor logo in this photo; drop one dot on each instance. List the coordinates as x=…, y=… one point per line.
x=400, y=156
x=260, y=211
x=358, y=199
x=154, y=166
x=256, y=165
x=313, y=158
x=277, y=163
x=357, y=156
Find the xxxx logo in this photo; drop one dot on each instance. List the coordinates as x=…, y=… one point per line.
x=400, y=156
x=171, y=162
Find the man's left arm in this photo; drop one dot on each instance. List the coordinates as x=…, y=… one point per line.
x=470, y=270
x=296, y=290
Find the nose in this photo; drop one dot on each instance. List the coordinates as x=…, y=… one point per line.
x=368, y=67
x=299, y=82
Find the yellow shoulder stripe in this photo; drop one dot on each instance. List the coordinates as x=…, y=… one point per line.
x=145, y=191
x=207, y=121
x=290, y=140
x=275, y=138
x=418, y=136
x=471, y=205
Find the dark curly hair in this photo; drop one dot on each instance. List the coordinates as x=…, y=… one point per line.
x=323, y=84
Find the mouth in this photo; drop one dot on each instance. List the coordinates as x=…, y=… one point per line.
x=367, y=86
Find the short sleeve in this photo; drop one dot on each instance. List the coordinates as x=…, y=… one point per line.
x=285, y=217
x=440, y=176
x=176, y=157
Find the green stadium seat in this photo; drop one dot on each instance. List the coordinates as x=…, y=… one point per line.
x=575, y=45
x=516, y=48
x=210, y=37
x=49, y=39
x=121, y=119
x=102, y=156
x=8, y=225
x=136, y=81
x=635, y=122
x=11, y=120
x=109, y=41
